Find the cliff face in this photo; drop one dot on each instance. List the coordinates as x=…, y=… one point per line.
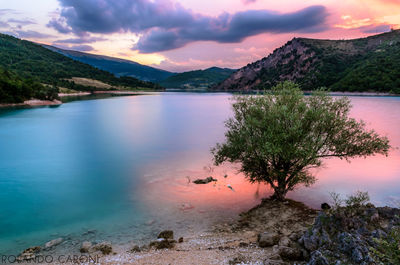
x=311, y=63
x=294, y=54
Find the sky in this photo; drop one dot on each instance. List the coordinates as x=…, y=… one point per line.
x=182, y=35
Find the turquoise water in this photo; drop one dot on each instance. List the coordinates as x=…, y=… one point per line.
x=120, y=167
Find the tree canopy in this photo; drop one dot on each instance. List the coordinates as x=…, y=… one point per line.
x=277, y=137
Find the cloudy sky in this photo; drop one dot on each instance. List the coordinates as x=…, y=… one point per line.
x=180, y=35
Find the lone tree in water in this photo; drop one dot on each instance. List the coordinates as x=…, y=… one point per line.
x=277, y=137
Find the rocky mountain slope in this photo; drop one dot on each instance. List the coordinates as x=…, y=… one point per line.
x=342, y=65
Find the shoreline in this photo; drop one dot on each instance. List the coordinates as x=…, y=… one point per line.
x=273, y=233
x=42, y=103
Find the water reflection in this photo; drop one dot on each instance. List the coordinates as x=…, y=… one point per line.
x=116, y=164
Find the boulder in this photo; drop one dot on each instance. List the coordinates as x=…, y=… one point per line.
x=53, y=243
x=180, y=240
x=290, y=254
x=284, y=242
x=104, y=247
x=204, y=181
x=318, y=259
x=162, y=243
x=166, y=234
x=135, y=248
x=268, y=239
x=85, y=247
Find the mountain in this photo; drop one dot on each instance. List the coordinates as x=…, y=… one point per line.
x=366, y=64
x=32, y=61
x=199, y=79
x=116, y=66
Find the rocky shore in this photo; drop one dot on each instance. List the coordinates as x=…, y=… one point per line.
x=272, y=233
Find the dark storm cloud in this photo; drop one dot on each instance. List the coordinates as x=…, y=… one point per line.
x=164, y=25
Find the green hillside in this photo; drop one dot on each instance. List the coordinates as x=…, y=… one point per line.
x=16, y=90
x=32, y=61
x=200, y=79
x=360, y=65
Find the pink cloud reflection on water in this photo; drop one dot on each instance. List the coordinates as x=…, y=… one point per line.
x=166, y=188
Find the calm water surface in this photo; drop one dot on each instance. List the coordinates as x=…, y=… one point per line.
x=120, y=169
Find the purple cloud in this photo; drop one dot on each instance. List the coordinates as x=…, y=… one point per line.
x=81, y=40
x=246, y=2
x=82, y=48
x=164, y=25
x=376, y=28
x=32, y=34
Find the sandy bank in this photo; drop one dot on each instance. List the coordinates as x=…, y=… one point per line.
x=32, y=103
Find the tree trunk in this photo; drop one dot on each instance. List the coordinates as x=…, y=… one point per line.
x=279, y=193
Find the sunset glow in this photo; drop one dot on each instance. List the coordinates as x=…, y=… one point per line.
x=179, y=35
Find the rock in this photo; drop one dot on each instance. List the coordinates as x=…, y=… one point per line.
x=378, y=234
x=166, y=234
x=162, y=243
x=103, y=247
x=204, y=181
x=240, y=259
x=357, y=255
x=53, y=243
x=284, y=242
x=325, y=206
x=291, y=254
x=318, y=259
x=180, y=240
x=89, y=232
x=375, y=218
x=150, y=222
x=268, y=239
x=28, y=254
x=135, y=248
x=186, y=206
x=85, y=247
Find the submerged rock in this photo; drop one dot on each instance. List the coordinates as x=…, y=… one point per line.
x=53, y=243
x=28, y=254
x=205, y=181
x=85, y=247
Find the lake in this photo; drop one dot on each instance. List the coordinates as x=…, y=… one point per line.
x=119, y=169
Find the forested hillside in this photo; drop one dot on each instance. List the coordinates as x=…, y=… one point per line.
x=32, y=61
x=199, y=79
x=16, y=90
